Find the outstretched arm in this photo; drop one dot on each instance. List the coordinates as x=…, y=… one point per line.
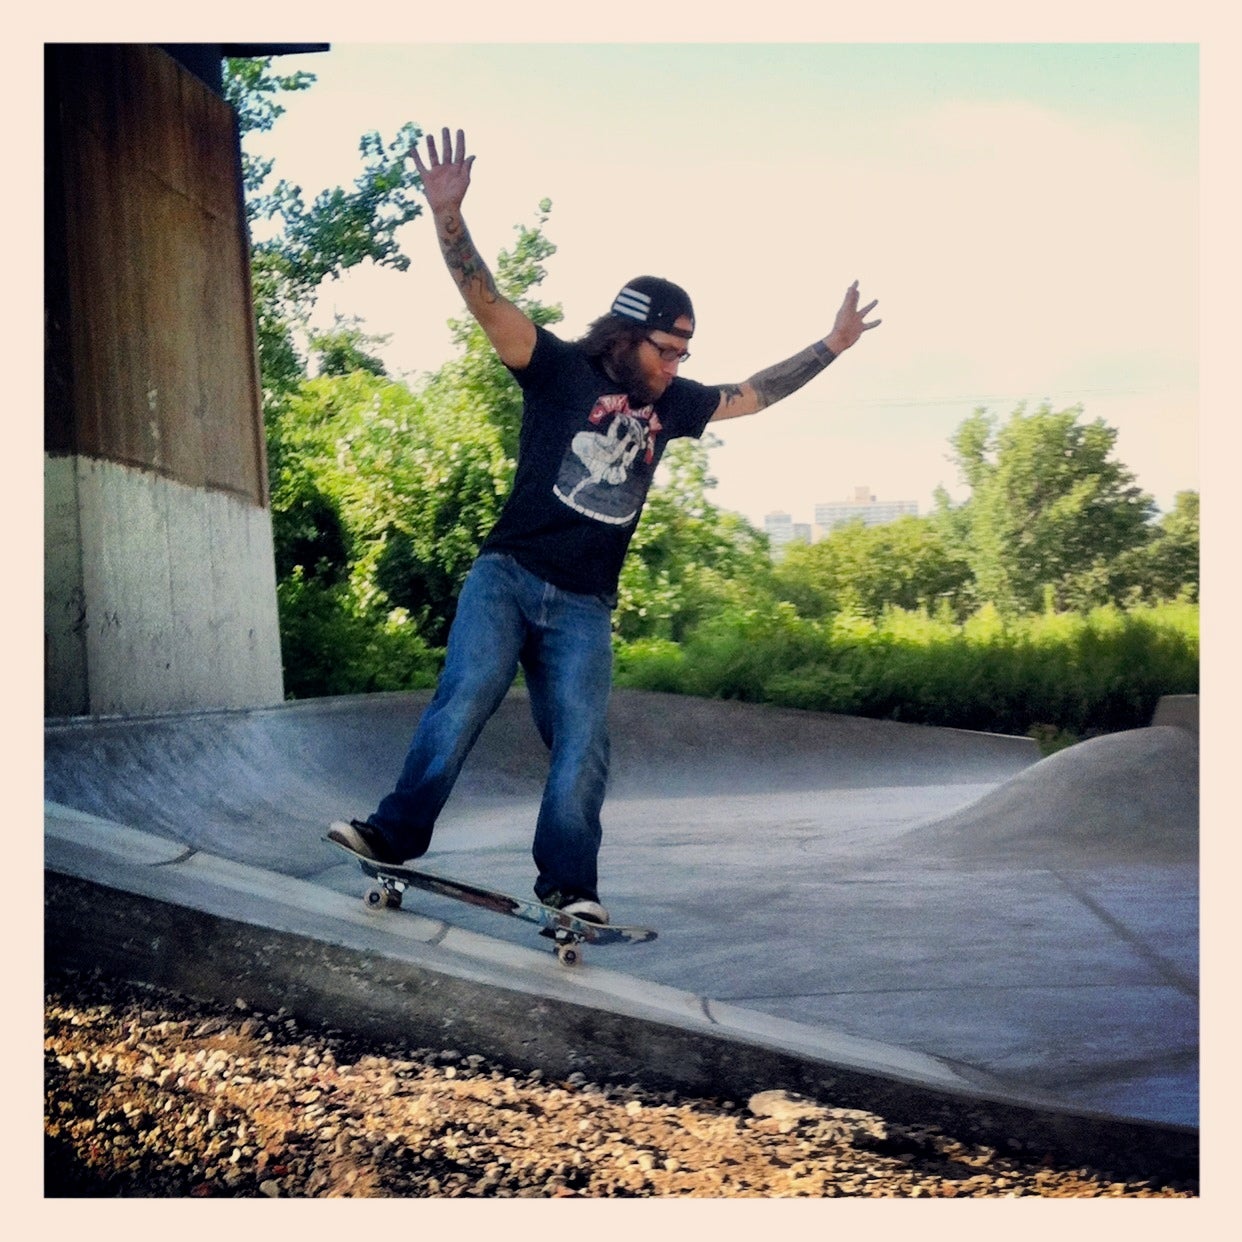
x=446, y=178
x=768, y=386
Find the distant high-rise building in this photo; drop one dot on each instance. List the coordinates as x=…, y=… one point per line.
x=863, y=505
x=779, y=528
x=782, y=530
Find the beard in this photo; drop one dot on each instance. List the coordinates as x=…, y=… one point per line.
x=627, y=371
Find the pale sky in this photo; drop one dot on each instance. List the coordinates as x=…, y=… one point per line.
x=1027, y=215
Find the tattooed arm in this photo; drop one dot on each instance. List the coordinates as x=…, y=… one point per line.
x=445, y=182
x=768, y=386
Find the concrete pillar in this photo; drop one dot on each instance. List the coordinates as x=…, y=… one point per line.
x=160, y=584
x=158, y=596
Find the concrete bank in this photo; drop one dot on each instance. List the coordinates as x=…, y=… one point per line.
x=153, y=909
x=932, y=909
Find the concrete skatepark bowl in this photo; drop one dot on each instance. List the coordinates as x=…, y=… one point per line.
x=931, y=907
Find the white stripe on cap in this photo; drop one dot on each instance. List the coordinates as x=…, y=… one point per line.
x=632, y=304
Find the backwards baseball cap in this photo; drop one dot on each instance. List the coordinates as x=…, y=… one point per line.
x=656, y=302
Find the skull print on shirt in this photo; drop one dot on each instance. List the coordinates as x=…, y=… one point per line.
x=597, y=476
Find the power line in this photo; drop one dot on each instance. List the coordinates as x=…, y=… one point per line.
x=990, y=398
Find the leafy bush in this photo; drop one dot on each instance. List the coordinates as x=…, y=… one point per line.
x=331, y=645
x=1052, y=676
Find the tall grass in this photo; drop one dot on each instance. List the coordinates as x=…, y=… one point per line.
x=1053, y=676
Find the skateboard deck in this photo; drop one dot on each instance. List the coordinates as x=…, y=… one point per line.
x=569, y=932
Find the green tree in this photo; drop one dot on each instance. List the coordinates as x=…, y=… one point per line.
x=333, y=637
x=864, y=570
x=384, y=492
x=343, y=349
x=1174, y=553
x=458, y=470
x=254, y=91
x=1166, y=567
x=295, y=247
x=1050, y=508
x=415, y=485
x=689, y=558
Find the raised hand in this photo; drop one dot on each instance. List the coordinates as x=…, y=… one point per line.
x=778, y=381
x=851, y=321
x=446, y=177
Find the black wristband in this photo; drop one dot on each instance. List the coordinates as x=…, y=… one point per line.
x=823, y=353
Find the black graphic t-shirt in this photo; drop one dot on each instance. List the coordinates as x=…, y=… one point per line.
x=585, y=462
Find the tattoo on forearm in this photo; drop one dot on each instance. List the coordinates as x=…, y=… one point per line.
x=465, y=264
x=775, y=382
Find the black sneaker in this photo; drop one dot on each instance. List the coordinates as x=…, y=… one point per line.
x=580, y=907
x=363, y=839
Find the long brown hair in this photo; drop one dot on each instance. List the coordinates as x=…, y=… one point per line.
x=602, y=337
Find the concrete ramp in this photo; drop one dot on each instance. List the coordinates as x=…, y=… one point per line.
x=1124, y=797
x=1031, y=925
x=247, y=784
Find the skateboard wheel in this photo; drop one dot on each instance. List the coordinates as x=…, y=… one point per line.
x=569, y=954
x=376, y=898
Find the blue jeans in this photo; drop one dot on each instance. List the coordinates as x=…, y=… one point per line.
x=563, y=641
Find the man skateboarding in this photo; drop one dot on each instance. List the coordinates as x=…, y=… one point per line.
x=597, y=416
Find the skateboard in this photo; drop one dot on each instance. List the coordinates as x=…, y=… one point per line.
x=569, y=933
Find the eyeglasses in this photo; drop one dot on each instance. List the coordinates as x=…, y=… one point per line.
x=668, y=353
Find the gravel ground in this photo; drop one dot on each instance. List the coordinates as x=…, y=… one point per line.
x=150, y=1094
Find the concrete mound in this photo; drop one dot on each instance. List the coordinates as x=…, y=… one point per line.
x=1124, y=797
